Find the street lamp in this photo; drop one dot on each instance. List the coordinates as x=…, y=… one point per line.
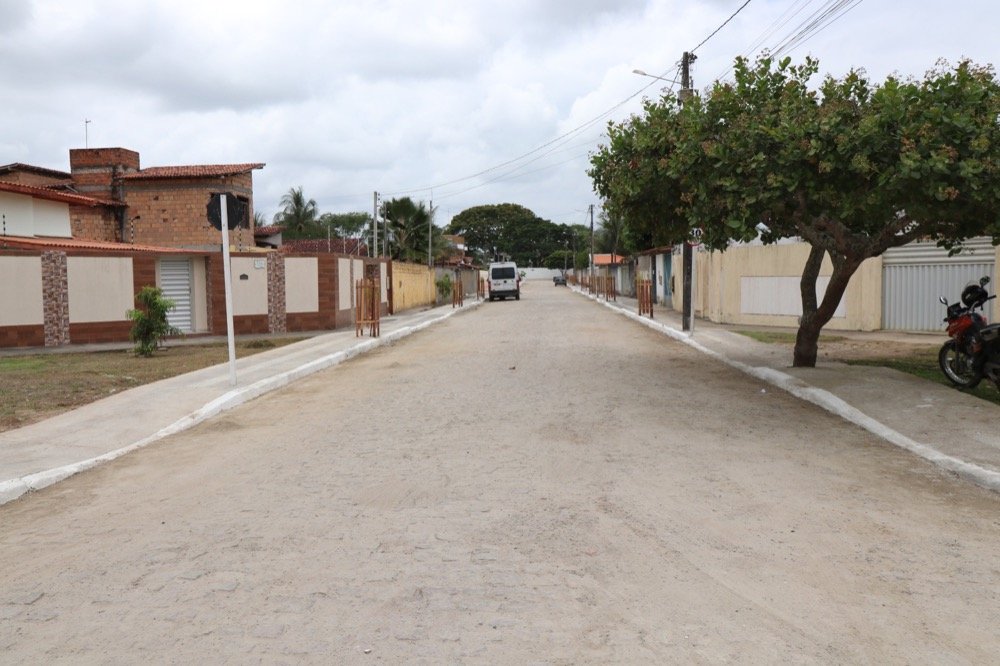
x=653, y=76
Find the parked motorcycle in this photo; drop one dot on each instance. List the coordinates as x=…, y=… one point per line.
x=973, y=351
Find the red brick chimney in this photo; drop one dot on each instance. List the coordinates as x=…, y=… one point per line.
x=96, y=170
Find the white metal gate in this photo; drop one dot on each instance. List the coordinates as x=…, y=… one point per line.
x=915, y=275
x=175, y=281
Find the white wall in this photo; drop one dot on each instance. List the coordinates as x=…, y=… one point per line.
x=27, y=216
x=19, y=214
x=539, y=273
x=52, y=219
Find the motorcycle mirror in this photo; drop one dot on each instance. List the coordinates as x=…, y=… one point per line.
x=944, y=301
x=985, y=280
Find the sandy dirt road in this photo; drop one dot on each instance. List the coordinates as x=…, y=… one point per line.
x=540, y=481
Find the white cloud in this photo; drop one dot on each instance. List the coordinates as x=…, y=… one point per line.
x=348, y=97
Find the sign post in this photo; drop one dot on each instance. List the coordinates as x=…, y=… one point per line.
x=218, y=216
x=690, y=274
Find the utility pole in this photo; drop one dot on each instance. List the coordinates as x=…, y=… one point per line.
x=688, y=254
x=591, y=246
x=371, y=253
x=430, y=233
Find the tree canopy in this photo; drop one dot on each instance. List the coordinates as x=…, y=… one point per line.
x=511, y=230
x=851, y=168
x=345, y=225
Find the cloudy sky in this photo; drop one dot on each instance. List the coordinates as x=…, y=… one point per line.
x=458, y=102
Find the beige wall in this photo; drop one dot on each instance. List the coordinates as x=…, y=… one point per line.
x=724, y=280
x=100, y=288
x=21, y=291
x=199, y=295
x=344, y=283
x=301, y=284
x=250, y=295
x=413, y=286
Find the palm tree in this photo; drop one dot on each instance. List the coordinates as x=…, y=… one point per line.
x=409, y=224
x=299, y=217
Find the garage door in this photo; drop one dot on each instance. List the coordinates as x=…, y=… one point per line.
x=175, y=281
x=915, y=275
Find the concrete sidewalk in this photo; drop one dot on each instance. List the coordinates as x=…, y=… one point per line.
x=958, y=432
x=43, y=453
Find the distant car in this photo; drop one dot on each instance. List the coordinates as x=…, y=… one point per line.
x=559, y=280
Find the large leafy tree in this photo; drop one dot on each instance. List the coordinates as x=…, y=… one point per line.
x=299, y=216
x=510, y=230
x=851, y=168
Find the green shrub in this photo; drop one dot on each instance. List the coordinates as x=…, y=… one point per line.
x=443, y=285
x=149, y=320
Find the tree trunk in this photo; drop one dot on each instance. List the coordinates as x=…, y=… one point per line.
x=807, y=338
x=815, y=318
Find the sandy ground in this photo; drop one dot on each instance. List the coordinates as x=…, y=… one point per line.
x=540, y=481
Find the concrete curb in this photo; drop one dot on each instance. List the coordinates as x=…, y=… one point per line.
x=12, y=489
x=981, y=476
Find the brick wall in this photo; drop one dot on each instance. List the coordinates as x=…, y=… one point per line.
x=95, y=169
x=93, y=223
x=172, y=211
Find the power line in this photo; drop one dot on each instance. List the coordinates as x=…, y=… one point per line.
x=828, y=13
x=702, y=43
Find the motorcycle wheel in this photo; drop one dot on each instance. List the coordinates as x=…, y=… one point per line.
x=958, y=366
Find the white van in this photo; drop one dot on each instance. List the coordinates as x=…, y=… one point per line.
x=504, y=280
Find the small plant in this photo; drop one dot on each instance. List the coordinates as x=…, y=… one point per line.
x=149, y=320
x=443, y=285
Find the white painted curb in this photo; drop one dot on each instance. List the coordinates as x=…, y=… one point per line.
x=979, y=475
x=11, y=490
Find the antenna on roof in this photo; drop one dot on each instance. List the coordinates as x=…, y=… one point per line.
x=86, y=137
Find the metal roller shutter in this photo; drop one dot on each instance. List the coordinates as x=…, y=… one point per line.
x=915, y=275
x=175, y=281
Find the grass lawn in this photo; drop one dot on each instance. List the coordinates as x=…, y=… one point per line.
x=39, y=386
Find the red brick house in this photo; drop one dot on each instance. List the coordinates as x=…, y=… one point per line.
x=156, y=206
x=76, y=247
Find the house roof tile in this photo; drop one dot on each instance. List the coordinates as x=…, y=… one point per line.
x=55, y=195
x=20, y=166
x=196, y=171
x=608, y=259
x=51, y=243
